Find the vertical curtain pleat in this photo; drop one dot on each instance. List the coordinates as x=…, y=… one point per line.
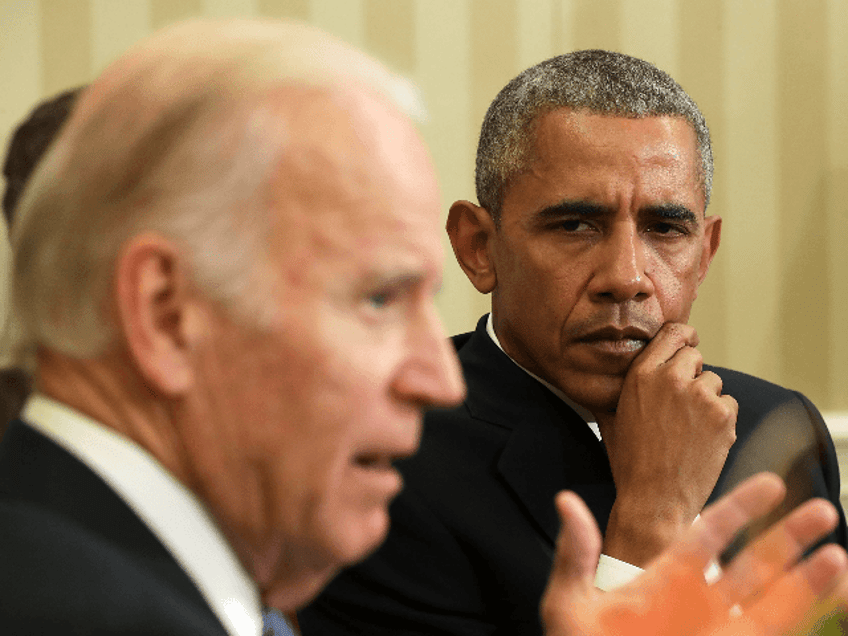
x=770, y=75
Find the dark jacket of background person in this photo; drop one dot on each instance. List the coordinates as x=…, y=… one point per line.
x=29, y=142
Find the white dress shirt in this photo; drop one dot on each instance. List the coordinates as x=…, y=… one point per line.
x=171, y=511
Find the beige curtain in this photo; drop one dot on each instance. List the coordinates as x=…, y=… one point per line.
x=770, y=75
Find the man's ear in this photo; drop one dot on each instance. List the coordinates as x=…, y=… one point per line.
x=471, y=230
x=157, y=313
x=712, y=237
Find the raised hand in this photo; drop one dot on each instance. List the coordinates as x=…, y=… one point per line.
x=765, y=591
x=667, y=443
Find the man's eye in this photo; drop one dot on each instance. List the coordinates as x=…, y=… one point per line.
x=574, y=225
x=381, y=299
x=667, y=229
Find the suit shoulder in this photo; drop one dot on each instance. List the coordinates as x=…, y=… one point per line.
x=461, y=339
x=738, y=378
x=770, y=410
x=757, y=393
x=58, y=577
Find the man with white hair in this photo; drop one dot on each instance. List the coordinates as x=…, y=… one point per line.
x=234, y=240
x=224, y=272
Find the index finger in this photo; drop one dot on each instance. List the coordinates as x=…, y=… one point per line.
x=671, y=337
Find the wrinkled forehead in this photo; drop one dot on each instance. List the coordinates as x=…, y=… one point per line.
x=561, y=125
x=581, y=146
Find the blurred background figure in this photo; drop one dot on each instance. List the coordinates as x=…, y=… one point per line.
x=28, y=143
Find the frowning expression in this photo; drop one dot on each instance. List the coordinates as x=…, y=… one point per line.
x=600, y=242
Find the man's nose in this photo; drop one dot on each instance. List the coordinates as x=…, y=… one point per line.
x=431, y=375
x=621, y=269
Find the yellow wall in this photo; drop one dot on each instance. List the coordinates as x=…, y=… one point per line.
x=770, y=75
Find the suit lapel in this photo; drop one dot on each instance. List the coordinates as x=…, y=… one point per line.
x=36, y=470
x=549, y=447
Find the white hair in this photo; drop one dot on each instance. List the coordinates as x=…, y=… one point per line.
x=176, y=137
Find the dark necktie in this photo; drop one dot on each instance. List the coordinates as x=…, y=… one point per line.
x=275, y=624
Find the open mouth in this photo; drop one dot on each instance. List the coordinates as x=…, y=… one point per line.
x=373, y=461
x=376, y=472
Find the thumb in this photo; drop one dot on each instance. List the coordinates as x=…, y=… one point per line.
x=578, y=549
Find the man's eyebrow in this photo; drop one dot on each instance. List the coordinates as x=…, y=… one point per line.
x=393, y=279
x=400, y=279
x=671, y=212
x=588, y=209
x=573, y=208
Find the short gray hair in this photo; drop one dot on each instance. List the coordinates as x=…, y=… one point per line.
x=178, y=137
x=597, y=81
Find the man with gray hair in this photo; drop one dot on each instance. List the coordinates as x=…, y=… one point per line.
x=223, y=275
x=27, y=145
x=594, y=171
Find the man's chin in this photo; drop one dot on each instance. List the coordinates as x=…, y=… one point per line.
x=359, y=536
x=599, y=396
x=294, y=594
x=374, y=533
x=334, y=552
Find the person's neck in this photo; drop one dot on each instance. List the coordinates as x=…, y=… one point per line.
x=588, y=415
x=108, y=391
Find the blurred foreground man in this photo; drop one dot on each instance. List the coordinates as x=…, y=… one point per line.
x=224, y=273
x=224, y=270
x=594, y=171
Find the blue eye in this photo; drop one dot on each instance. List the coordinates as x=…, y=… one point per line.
x=380, y=299
x=390, y=293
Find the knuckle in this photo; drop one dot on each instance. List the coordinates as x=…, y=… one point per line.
x=732, y=404
x=703, y=391
x=713, y=378
x=682, y=331
x=727, y=411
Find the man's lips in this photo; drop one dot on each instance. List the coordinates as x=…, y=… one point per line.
x=374, y=462
x=619, y=341
x=376, y=471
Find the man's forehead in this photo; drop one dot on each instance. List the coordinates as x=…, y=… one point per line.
x=355, y=252
x=354, y=176
x=588, y=155
x=342, y=130
x=574, y=123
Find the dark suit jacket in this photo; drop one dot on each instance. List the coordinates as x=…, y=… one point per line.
x=14, y=388
x=473, y=531
x=74, y=559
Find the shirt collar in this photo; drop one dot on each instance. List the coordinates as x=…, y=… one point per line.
x=582, y=412
x=171, y=511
